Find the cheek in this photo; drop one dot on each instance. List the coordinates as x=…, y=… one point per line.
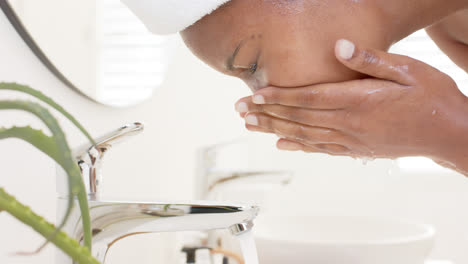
x=305, y=67
x=299, y=58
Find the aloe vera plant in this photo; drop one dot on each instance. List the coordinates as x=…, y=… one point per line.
x=56, y=147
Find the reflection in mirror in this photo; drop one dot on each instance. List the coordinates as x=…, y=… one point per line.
x=96, y=47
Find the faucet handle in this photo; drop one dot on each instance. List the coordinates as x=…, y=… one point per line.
x=89, y=157
x=115, y=137
x=108, y=140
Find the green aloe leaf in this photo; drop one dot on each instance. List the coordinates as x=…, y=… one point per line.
x=35, y=137
x=60, y=152
x=39, y=95
x=24, y=214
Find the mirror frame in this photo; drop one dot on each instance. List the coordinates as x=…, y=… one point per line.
x=24, y=34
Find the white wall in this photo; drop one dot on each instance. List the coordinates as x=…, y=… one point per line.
x=76, y=30
x=192, y=109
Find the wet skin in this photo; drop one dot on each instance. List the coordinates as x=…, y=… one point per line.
x=375, y=104
x=276, y=45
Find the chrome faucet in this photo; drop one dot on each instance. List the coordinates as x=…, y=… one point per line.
x=211, y=176
x=112, y=221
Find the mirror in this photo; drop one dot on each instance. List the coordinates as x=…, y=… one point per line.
x=98, y=48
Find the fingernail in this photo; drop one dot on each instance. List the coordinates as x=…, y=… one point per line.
x=286, y=145
x=345, y=49
x=258, y=99
x=242, y=107
x=251, y=120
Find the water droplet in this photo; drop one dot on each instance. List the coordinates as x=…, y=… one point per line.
x=365, y=160
x=374, y=91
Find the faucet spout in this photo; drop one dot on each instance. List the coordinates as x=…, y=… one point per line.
x=113, y=221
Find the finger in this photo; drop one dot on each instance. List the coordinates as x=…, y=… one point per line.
x=328, y=96
x=376, y=63
x=311, y=117
x=332, y=149
x=241, y=105
x=245, y=105
x=299, y=132
x=262, y=130
x=258, y=129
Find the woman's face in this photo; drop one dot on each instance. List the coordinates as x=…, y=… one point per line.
x=284, y=43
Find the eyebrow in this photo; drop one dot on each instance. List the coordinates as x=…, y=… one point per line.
x=232, y=58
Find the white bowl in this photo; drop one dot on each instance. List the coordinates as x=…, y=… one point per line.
x=342, y=240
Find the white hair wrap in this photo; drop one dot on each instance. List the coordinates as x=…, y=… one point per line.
x=164, y=17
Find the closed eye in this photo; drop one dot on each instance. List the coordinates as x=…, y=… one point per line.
x=253, y=68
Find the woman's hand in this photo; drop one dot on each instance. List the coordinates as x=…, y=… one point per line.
x=404, y=108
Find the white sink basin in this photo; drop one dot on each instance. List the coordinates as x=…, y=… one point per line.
x=342, y=240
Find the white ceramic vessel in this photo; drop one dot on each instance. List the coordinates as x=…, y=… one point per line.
x=343, y=240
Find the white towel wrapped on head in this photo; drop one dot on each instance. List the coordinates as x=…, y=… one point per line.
x=171, y=16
